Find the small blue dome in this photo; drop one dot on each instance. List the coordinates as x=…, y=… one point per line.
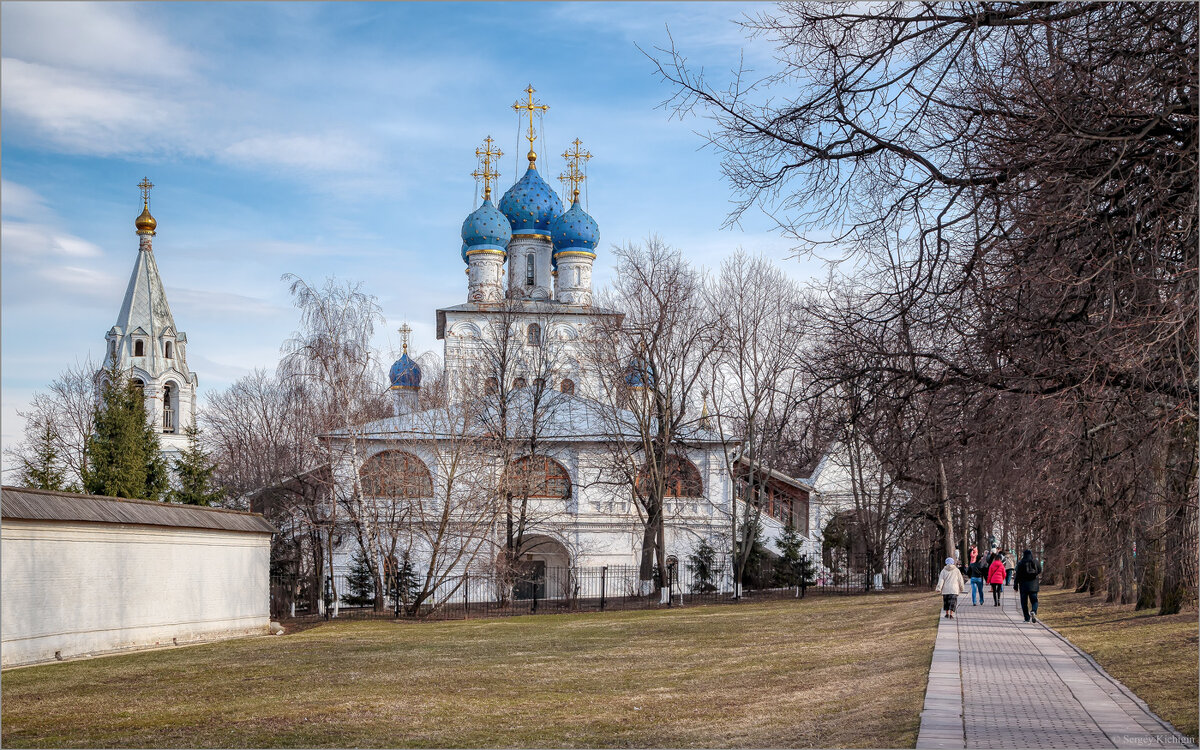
x=575, y=230
x=639, y=374
x=530, y=204
x=405, y=373
x=486, y=229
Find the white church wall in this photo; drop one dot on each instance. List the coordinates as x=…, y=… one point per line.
x=74, y=588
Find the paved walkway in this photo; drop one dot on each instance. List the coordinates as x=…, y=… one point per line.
x=1020, y=685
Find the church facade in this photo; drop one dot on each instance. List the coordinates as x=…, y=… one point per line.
x=517, y=364
x=147, y=347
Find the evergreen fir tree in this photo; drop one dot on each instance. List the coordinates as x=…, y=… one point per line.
x=702, y=564
x=407, y=583
x=123, y=455
x=43, y=471
x=194, y=473
x=787, y=567
x=752, y=570
x=360, y=582
x=793, y=568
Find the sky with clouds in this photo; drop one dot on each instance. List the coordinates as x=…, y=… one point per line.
x=321, y=139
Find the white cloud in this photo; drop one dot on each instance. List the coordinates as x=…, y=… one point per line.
x=331, y=152
x=27, y=242
x=108, y=37
x=211, y=302
x=84, y=113
x=20, y=202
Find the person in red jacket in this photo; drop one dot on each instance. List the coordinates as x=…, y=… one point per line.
x=995, y=576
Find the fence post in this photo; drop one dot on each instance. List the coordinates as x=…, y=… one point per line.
x=466, y=596
x=603, y=576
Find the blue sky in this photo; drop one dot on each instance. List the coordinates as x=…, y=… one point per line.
x=320, y=139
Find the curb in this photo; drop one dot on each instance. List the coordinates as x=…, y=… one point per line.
x=1179, y=736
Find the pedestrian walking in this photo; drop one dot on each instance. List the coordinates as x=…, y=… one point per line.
x=976, y=571
x=950, y=584
x=995, y=576
x=1025, y=581
x=1008, y=566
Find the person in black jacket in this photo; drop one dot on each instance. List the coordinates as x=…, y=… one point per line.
x=1025, y=580
x=976, y=571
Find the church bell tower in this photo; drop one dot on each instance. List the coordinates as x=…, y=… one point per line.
x=146, y=345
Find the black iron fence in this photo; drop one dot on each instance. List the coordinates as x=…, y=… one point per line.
x=554, y=590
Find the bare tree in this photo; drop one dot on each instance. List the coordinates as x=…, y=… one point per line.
x=651, y=366
x=1016, y=185
x=330, y=363
x=64, y=412
x=755, y=381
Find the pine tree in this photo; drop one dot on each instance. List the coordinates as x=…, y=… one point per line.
x=123, y=455
x=787, y=566
x=407, y=584
x=43, y=470
x=194, y=472
x=702, y=564
x=360, y=582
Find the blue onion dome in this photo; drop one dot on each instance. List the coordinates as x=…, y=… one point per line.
x=530, y=204
x=485, y=229
x=464, y=252
x=575, y=230
x=639, y=374
x=405, y=373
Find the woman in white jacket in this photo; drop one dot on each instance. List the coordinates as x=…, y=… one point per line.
x=950, y=584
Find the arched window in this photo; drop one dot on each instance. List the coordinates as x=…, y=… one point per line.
x=530, y=279
x=491, y=385
x=539, y=384
x=167, y=350
x=534, y=335
x=537, y=476
x=139, y=349
x=682, y=478
x=396, y=474
x=568, y=386
x=170, y=404
x=519, y=383
x=137, y=383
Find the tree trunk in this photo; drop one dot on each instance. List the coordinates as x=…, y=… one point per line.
x=946, y=513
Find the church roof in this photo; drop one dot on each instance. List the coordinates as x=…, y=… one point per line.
x=145, y=304
x=563, y=417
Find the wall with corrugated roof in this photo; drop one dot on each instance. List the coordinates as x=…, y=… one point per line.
x=85, y=587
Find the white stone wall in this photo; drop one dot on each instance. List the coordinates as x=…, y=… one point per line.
x=468, y=333
x=73, y=588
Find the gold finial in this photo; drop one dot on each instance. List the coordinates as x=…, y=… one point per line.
x=530, y=107
x=486, y=174
x=574, y=175
x=145, y=222
x=405, y=330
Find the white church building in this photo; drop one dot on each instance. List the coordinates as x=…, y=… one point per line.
x=529, y=290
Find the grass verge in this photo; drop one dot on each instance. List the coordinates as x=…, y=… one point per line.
x=1156, y=657
x=825, y=671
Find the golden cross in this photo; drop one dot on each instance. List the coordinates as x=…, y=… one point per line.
x=404, y=331
x=574, y=174
x=486, y=174
x=530, y=107
x=146, y=185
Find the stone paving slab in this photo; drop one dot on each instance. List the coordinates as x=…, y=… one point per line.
x=999, y=682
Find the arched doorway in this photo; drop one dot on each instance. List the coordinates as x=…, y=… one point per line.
x=542, y=569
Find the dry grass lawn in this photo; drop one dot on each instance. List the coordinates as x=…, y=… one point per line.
x=1156, y=657
x=826, y=671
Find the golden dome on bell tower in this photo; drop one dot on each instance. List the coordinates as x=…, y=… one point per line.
x=146, y=223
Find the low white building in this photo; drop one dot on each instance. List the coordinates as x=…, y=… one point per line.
x=86, y=575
